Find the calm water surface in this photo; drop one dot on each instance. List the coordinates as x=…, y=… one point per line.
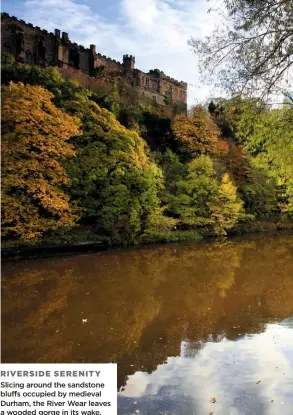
x=185, y=322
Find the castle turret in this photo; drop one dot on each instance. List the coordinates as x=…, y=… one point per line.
x=93, y=49
x=65, y=37
x=128, y=62
x=30, y=44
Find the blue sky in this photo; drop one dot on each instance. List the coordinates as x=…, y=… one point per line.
x=154, y=31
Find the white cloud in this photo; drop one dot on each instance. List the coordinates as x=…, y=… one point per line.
x=229, y=371
x=154, y=31
x=162, y=32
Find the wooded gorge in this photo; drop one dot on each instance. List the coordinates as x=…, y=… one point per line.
x=80, y=164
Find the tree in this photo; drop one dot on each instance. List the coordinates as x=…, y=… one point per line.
x=225, y=206
x=197, y=133
x=241, y=115
x=275, y=136
x=237, y=163
x=267, y=139
x=7, y=60
x=158, y=225
x=34, y=135
x=113, y=179
x=194, y=192
x=201, y=199
x=112, y=100
x=251, y=52
x=156, y=130
x=259, y=192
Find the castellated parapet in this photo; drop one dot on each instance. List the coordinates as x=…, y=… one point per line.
x=31, y=45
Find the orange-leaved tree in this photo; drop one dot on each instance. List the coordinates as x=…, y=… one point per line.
x=197, y=133
x=34, y=134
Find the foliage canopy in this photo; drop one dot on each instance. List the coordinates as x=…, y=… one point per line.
x=113, y=179
x=74, y=156
x=34, y=144
x=251, y=51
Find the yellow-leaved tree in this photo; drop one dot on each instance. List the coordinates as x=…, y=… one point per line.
x=34, y=135
x=197, y=133
x=225, y=206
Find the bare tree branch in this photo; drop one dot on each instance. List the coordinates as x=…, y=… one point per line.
x=252, y=51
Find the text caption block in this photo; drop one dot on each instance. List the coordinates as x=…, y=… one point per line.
x=58, y=389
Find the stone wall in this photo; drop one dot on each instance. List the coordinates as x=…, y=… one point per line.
x=162, y=88
x=31, y=45
x=27, y=43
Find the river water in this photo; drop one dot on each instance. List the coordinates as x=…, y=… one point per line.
x=195, y=328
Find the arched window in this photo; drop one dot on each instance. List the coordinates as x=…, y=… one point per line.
x=41, y=48
x=74, y=58
x=19, y=38
x=28, y=58
x=155, y=85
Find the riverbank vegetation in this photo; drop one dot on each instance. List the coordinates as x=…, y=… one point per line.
x=83, y=164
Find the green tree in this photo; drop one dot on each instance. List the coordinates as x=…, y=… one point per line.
x=267, y=138
x=259, y=192
x=194, y=192
x=113, y=179
x=113, y=100
x=276, y=157
x=202, y=199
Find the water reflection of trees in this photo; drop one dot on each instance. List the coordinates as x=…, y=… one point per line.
x=140, y=304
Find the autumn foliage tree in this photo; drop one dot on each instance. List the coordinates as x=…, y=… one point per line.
x=34, y=135
x=225, y=206
x=197, y=133
x=150, y=179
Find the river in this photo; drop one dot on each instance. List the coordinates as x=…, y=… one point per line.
x=195, y=328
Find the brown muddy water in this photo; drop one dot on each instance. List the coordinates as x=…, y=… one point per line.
x=186, y=323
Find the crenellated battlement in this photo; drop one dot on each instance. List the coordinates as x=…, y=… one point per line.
x=107, y=58
x=162, y=75
x=32, y=45
x=24, y=23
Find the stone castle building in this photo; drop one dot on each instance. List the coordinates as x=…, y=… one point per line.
x=31, y=45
